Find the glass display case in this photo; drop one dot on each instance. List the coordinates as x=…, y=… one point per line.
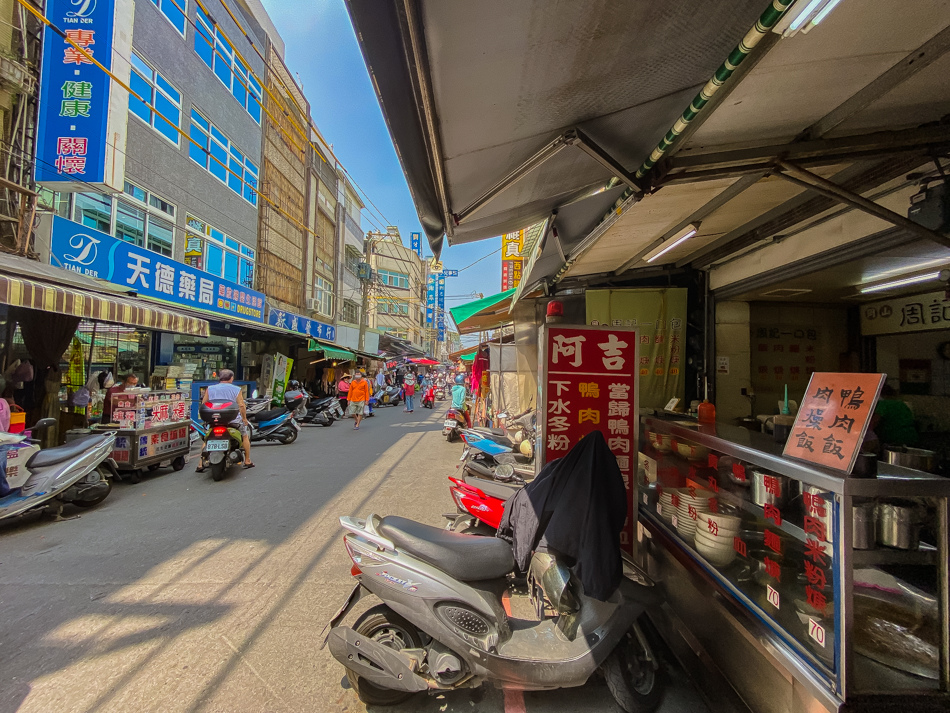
x=848, y=576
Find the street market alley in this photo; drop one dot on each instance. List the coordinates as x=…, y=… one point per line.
x=180, y=594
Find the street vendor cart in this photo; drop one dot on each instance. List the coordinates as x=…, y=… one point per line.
x=153, y=429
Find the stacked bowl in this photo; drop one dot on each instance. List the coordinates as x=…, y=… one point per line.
x=714, y=535
x=691, y=504
x=665, y=502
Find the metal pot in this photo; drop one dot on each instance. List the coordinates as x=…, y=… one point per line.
x=760, y=493
x=898, y=525
x=864, y=519
x=916, y=458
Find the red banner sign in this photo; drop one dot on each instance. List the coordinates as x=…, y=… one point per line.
x=590, y=383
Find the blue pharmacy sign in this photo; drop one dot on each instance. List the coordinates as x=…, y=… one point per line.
x=301, y=325
x=415, y=243
x=74, y=94
x=90, y=252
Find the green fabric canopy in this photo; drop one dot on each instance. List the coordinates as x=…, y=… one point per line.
x=484, y=314
x=334, y=353
x=468, y=357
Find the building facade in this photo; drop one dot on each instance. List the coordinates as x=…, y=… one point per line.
x=396, y=294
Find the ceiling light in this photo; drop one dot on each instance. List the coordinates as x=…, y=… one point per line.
x=941, y=275
x=804, y=15
x=905, y=269
x=681, y=237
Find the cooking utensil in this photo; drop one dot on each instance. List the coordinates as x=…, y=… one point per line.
x=864, y=519
x=916, y=458
x=898, y=525
x=767, y=488
x=865, y=466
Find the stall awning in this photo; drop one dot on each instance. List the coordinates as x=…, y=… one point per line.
x=484, y=314
x=49, y=297
x=338, y=354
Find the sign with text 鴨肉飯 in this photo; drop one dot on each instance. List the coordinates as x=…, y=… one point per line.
x=90, y=252
x=83, y=113
x=834, y=418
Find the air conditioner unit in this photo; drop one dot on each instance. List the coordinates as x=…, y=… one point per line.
x=313, y=304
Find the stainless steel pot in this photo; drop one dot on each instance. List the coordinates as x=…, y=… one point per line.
x=761, y=488
x=864, y=518
x=898, y=525
x=916, y=458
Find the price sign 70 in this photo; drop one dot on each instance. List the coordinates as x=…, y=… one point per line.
x=816, y=631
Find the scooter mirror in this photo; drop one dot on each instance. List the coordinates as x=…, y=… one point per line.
x=254, y=394
x=44, y=423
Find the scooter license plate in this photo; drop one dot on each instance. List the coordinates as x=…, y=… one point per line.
x=449, y=423
x=216, y=445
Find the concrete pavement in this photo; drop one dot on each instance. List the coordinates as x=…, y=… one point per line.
x=180, y=594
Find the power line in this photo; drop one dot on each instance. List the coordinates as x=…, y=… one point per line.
x=480, y=259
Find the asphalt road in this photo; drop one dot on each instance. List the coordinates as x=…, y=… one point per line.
x=179, y=594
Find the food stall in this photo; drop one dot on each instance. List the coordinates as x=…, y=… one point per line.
x=802, y=587
x=153, y=428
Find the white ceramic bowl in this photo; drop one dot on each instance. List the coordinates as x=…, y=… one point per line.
x=715, y=555
x=691, y=451
x=714, y=540
x=725, y=522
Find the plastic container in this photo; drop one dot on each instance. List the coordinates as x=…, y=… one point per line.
x=222, y=412
x=706, y=412
x=17, y=422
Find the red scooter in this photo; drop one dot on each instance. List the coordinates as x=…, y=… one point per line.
x=480, y=504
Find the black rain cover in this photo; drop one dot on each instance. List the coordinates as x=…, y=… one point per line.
x=576, y=506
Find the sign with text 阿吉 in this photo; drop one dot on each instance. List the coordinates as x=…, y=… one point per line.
x=90, y=252
x=304, y=326
x=83, y=115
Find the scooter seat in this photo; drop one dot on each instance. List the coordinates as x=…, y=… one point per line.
x=492, y=431
x=322, y=401
x=262, y=416
x=51, y=456
x=467, y=558
x=502, y=491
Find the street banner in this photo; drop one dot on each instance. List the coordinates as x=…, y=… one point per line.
x=80, y=249
x=659, y=316
x=83, y=118
x=440, y=307
x=589, y=382
x=415, y=242
x=282, y=366
x=431, y=290
x=833, y=419
x=298, y=323
x=512, y=259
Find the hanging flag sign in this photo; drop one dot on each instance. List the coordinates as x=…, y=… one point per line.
x=415, y=242
x=512, y=246
x=431, y=290
x=440, y=308
x=83, y=117
x=589, y=383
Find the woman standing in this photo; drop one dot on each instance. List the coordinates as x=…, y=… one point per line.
x=343, y=391
x=410, y=390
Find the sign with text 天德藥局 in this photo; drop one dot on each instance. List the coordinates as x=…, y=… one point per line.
x=89, y=252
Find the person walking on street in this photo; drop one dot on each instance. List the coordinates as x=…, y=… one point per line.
x=410, y=391
x=358, y=396
x=342, y=391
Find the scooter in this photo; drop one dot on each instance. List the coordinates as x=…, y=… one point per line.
x=480, y=503
x=223, y=444
x=277, y=424
x=389, y=395
x=453, y=424
x=76, y=473
x=440, y=393
x=322, y=411
x=428, y=399
x=444, y=621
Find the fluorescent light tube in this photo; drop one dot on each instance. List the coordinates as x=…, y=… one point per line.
x=901, y=283
x=803, y=16
x=824, y=12
x=691, y=230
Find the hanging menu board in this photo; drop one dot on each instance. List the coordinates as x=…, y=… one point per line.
x=833, y=419
x=590, y=384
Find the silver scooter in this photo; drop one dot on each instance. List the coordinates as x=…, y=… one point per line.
x=446, y=620
x=76, y=473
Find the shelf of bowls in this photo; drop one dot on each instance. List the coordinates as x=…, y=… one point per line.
x=768, y=529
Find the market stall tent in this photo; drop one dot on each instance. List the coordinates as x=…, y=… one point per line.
x=481, y=315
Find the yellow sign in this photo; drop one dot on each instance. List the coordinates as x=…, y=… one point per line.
x=512, y=248
x=435, y=265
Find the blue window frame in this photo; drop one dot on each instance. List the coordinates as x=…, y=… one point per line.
x=221, y=159
x=223, y=255
x=217, y=53
x=157, y=92
x=175, y=11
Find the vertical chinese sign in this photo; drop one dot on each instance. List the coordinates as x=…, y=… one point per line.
x=512, y=260
x=415, y=242
x=431, y=289
x=83, y=118
x=834, y=418
x=589, y=383
x=440, y=307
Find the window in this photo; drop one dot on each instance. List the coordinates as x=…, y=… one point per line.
x=392, y=307
x=217, y=53
x=394, y=279
x=353, y=257
x=54, y=201
x=129, y=218
x=323, y=295
x=351, y=312
x=157, y=91
x=175, y=11
x=211, y=250
x=216, y=154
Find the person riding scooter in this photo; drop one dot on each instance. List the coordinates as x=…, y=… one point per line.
x=428, y=398
x=226, y=390
x=458, y=398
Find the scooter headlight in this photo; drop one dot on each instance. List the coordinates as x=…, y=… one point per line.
x=504, y=471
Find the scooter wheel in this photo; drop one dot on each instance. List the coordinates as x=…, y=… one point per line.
x=290, y=437
x=386, y=627
x=328, y=423
x=92, y=503
x=218, y=469
x=452, y=437
x=631, y=678
x=178, y=463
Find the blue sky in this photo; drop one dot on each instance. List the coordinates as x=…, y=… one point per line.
x=321, y=48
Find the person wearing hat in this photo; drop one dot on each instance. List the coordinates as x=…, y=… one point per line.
x=342, y=391
x=358, y=396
